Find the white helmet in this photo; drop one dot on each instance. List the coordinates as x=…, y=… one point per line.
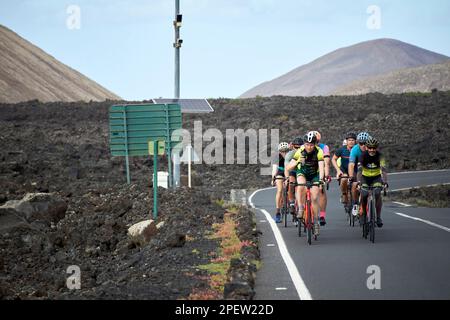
x=283, y=146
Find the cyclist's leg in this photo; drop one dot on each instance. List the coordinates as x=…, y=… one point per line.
x=292, y=183
x=279, y=196
x=315, y=200
x=365, y=182
x=301, y=195
x=378, y=199
x=355, y=192
x=323, y=206
x=344, y=186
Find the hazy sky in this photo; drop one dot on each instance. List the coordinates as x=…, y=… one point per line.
x=229, y=45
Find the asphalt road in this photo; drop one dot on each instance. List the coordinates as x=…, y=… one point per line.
x=410, y=258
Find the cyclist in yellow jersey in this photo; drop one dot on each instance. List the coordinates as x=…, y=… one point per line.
x=372, y=173
x=309, y=163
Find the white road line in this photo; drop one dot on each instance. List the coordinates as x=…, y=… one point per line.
x=423, y=171
x=402, y=204
x=299, y=284
x=429, y=185
x=279, y=289
x=271, y=245
x=424, y=221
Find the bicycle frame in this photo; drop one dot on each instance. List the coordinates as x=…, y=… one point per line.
x=370, y=217
x=308, y=216
x=348, y=206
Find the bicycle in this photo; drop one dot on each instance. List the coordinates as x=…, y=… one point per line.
x=285, y=210
x=369, y=219
x=308, y=221
x=348, y=205
x=285, y=207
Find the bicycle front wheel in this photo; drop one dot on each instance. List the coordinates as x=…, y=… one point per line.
x=372, y=221
x=308, y=222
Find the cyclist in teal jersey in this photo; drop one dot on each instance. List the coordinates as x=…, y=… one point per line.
x=356, y=152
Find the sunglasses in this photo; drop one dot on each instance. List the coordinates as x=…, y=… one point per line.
x=371, y=149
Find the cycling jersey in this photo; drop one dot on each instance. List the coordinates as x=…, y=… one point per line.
x=371, y=165
x=279, y=161
x=354, y=155
x=325, y=149
x=308, y=163
x=289, y=157
x=344, y=156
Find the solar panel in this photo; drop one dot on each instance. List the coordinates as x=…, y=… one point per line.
x=189, y=105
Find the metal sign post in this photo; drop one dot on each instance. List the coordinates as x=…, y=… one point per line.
x=156, y=148
x=189, y=150
x=155, y=180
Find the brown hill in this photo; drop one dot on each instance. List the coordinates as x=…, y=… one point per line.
x=421, y=79
x=346, y=65
x=29, y=73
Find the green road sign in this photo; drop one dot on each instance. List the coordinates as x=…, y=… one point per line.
x=161, y=148
x=133, y=126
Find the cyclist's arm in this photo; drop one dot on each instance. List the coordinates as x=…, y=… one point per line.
x=352, y=163
x=321, y=170
x=274, y=171
x=360, y=168
x=292, y=164
x=327, y=166
x=351, y=169
x=384, y=171
x=326, y=156
x=321, y=165
x=334, y=161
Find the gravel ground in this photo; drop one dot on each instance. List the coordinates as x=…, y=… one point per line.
x=62, y=148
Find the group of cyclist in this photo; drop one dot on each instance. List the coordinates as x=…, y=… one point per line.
x=305, y=159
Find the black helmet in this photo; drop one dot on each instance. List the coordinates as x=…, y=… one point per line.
x=372, y=143
x=298, y=141
x=350, y=135
x=310, y=137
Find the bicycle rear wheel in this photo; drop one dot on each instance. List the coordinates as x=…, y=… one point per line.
x=364, y=225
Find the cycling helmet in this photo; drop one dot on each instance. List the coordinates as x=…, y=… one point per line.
x=350, y=135
x=362, y=137
x=283, y=147
x=318, y=135
x=372, y=143
x=310, y=137
x=298, y=141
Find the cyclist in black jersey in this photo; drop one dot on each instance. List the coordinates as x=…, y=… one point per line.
x=278, y=177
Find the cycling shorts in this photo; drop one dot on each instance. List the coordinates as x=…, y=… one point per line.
x=309, y=177
x=371, y=181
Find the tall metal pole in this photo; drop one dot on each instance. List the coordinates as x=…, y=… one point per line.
x=177, y=45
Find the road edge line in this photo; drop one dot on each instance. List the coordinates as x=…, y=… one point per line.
x=296, y=278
